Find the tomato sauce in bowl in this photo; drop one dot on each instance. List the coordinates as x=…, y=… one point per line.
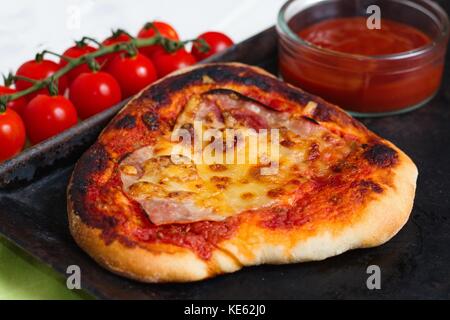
x=369, y=72
x=351, y=35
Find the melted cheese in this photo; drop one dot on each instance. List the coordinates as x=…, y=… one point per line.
x=180, y=193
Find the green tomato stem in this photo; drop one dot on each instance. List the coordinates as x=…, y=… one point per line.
x=84, y=39
x=72, y=63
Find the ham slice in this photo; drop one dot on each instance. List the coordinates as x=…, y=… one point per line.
x=160, y=210
x=163, y=211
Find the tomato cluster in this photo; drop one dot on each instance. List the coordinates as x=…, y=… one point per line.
x=94, y=86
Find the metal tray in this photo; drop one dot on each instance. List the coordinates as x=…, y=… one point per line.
x=415, y=264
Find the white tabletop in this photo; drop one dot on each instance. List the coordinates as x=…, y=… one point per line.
x=29, y=26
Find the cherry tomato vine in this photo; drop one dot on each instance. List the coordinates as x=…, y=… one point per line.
x=90, y=58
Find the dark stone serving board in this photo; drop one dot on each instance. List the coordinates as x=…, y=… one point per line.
x=414, y=264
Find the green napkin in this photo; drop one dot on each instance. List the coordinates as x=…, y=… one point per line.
x=23, y=277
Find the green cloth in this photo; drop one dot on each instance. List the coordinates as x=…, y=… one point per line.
x=23, y=277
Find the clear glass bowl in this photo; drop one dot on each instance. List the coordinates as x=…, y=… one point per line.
x=364, y=85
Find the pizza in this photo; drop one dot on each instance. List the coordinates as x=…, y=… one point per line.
x=223, y=166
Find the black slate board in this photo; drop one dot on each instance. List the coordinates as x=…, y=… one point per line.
x=415, y=264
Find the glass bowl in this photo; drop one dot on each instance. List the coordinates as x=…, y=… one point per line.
x=364, y=85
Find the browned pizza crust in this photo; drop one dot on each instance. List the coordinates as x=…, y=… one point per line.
x=374, y=224
x=158, y=263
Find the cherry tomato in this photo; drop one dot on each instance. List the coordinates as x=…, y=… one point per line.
x=166, y=30
x=166, y=62
x=94, y=92
x=46, y=116
x=118, y=36
x=39, y=70
x=12, y=134
x=76, y=52
x=132, y=73
x=217, y=42
x=17, y=105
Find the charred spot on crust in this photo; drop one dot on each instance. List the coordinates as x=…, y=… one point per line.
x=258, y=82
x=185, y=80
x=126, y=122
x=110, y=222
x=151, y=121
x=94, y=160
x=160, y=92
x=239, y=75
x=365, y=186
x=297, y=96
x=381, y=155
x=157, y=94
x=323, y=112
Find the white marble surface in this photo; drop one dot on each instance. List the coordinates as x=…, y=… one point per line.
x=28, y=26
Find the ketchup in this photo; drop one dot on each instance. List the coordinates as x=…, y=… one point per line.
x=351, y=35
x=365, y=81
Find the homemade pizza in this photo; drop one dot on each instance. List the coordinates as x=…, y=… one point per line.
x=222, y=166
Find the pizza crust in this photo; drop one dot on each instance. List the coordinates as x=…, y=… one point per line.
x=378, y=222
x=159, y=263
